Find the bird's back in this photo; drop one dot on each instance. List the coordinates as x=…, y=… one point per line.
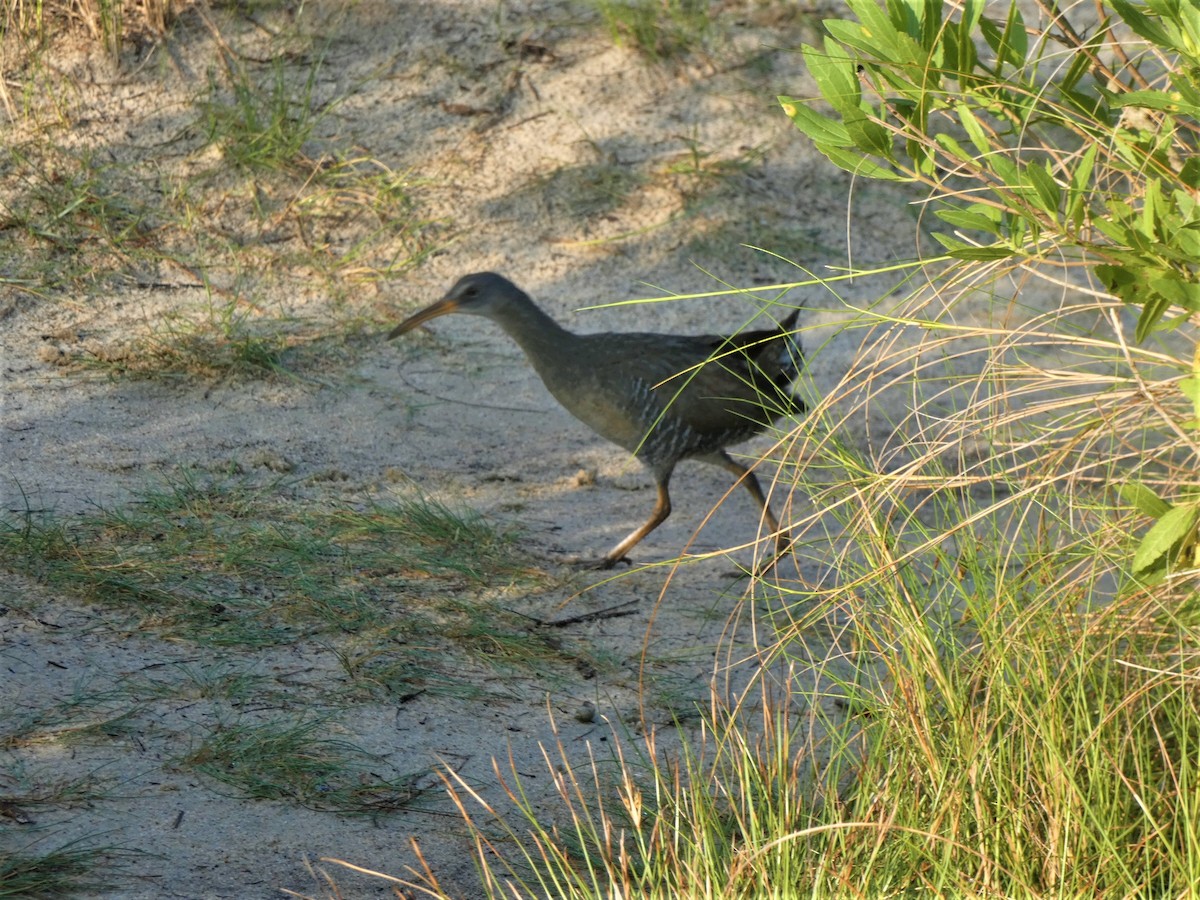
x=669, y=397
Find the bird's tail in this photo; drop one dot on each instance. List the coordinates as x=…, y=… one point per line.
x=770, y=363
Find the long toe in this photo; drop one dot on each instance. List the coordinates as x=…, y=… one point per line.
x=610, y=562
x=592, y=564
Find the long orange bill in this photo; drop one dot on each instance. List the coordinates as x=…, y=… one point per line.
x=441, y=308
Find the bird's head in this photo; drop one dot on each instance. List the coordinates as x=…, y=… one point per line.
x=481, y=294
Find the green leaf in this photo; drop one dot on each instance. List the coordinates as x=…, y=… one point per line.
x=820, y=128
x=961, y=250
x=835, y=74
x=858, y=164
x=975, y=218
x=1011, y=45
x=968, y=59
x=1079, y=190
x=950, y=242
x=932, y=28
x=1047, y=189
x=1116, y=232
x=954, y=148
x=1186, y=84
x=973, y=128
x=1091, y=107
x=1189, y=174
x=1005, y=169
x=906, y=110
x=1163, y=542
x=882, y=38
x=1149, y=503
x=1168, y=102
x=868, y=135
x=1154, y=308
x=851, y=35
x=924, y=159
x=1141, y=23
x=1151, y=208
x=1083, y=61
x=1181, y=291
x=1191, y=389
x=983, y=254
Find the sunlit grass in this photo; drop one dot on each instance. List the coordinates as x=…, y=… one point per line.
x=661, y=31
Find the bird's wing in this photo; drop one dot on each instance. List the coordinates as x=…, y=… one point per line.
x=712, y=384
x=746, y=376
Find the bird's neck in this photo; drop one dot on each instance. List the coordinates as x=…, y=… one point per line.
x=544, y=341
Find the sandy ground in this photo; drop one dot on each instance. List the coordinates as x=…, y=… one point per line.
x=499, y=110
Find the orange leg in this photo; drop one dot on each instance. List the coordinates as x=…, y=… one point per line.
x=662, y=509
x=783, y=539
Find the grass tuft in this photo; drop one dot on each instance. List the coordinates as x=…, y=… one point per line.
x=966, y=688
x=292, y=761
x=73, y=869
x=107, y=23
x=661, y=30
x=263, y=127
x=225, y=563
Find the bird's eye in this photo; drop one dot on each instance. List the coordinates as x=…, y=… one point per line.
x=471, y=292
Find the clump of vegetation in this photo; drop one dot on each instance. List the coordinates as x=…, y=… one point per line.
x=385, y=603
x=73, y=869
x=263, y=127
x=109, y=23
x=225, y=562
x=662, y=30
x=296, y=761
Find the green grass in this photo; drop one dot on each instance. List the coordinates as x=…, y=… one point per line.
x=223, y=563
x=1004, y=711
x=73, y=216
x=379, y=208
x=30, y=791
x=227, y=340
x=999, y=730
x=967, y=692
x=210, y=239
x=85, y=716
x=263, y=126
x=661, y=30
x=224, y=681
x=73, y=869
x=296, y=761
x=385, y=603
x=106, y=22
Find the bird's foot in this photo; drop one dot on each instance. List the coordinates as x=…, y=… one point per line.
x=610, y=562
x=598, y=565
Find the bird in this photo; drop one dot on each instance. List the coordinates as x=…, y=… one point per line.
x=663, y=397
